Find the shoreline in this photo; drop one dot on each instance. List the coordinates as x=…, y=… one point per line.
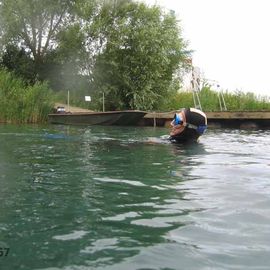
x=215, y=119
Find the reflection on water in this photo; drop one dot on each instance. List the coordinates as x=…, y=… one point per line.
x=125, y=198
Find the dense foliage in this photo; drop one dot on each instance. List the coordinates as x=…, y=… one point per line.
x=21, y=103
x=143, y=51
x=122, y=48
x=235, y=101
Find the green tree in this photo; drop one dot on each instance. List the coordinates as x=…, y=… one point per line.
x=20, y=62
x=49, y=32
x=34, y=24
x=143, y=49
x=122, y=48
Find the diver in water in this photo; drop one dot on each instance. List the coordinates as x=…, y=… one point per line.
x=188, y=125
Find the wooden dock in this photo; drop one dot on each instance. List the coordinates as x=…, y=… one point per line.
x=218, y=119
x=225, y=119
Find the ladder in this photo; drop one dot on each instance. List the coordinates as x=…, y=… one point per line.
x=196, y=100
x=195, y=82
x=221, y=100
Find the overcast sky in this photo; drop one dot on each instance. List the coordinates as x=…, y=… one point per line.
x=230, y=39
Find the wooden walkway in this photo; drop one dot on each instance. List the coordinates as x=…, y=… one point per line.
x=234, y=119
x=231, y=119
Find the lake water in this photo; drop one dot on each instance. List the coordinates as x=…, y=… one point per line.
x=123, y=198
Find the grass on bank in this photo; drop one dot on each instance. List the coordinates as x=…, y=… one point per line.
x=235, y=101
x=21, y=103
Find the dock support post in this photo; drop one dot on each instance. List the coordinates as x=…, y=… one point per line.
x=155, y=122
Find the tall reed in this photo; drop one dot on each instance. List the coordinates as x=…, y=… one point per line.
x=235, y=101
x=21, y=103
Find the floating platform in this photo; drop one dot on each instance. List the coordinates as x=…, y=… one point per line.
x=225, y=119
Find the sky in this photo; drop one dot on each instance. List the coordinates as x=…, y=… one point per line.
x=230, y=40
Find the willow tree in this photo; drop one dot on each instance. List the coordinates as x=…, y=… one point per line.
x=37, y=27
x=142, y=50
x=33, y=24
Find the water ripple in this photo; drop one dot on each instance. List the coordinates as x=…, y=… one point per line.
x=122, y=198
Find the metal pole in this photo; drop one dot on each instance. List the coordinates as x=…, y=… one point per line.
x=219, y=100
x=224, y=103
x=194, y=99
x=199, y=102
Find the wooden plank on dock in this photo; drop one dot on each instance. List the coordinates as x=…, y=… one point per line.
x=217, y=115
x=239, y=115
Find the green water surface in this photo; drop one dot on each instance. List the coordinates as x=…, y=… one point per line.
x=125, y=198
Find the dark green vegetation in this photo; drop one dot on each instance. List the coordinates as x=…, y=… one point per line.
x=131, y=53
x=237, y=101
x=22, y=103
x=122, y=48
